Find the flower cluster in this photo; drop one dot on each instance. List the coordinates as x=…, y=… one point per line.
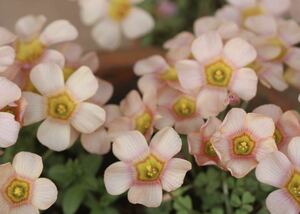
x=186, y=94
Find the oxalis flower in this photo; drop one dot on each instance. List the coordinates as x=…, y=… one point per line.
x=22, y=191
x=33, y=44
x=115, y=19
x=7, y=53
x=282, y=171
x=63, y=105
x=243, y=140
x=9, y=127
x=146, y=170
x=287, y=124
x=218, y=69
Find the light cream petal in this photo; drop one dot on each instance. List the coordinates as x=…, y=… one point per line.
x=92, y=10
x=44, y=193
x=206, y=24
x=9, y=92
x=130, y=146
x=152, y=64
x=91, y=60
x=9, y=130
x=274, y=170
x=292, y=58
x=239, y=168
x=104, y=92
x=28, y=164
x=280, y=201
x=243, y=4
x=244, y=83
x=276, y=7
x=173, y=176
x=6, y=37
x=118, y=178
x=47, y=78
x=6, y=172
x=58, y=31
x=289, y=31
x=189, y=125
x=25, y=209
x=190, y=74
x=36, y=108
x=269, y=110
x=7, y=57
x=132, y=104
x=207, y=47
x=112, y=112
x=265, y=147
x=4, y=206
x=239, y=52
x=166, y=143
x=149, y=195
x=30, y=26
x=82, y=84
x=262, y=24
x=54, y=134
x=53, y=56
x=294, y=151
x=260, y=126
x=137, y=23
x=97, y=142
x=88, y=117
x=71, y=51
x=233, y=122
x=107, y=34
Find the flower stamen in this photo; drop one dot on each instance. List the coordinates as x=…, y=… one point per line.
x=218, y=74
x=18, y=191
x=119, y=9
x=184, y=107
x=149, y=169
x=243, y=145
x=61, y=106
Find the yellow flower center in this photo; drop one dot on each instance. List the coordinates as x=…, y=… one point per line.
x=18, y=191
x=218, y=74
x=143, y=122
x=68, y=71
x=278, y=137
x=61, y=106
x=278, y=43
x=243, y=145
x=209, y=149
x=149, y=169
x=170, y=75
x=184, y=107
x=253, y=11
x=119, y=9
x=28, y=52
x=293, y=186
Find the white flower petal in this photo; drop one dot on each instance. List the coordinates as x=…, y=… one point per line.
x=276, y=7
x=269, y=110
x=82, y=84
x=166, y=143
x=189, y=125
x=28, y=165
x=6, y=37
x=130, y=146
x=24, y=209
x=7, y=57
x=265, y=147
x=4, y=206
x=173, y=176
x=152, y=64
x=71, y=51
x=243, y=4
x=190, y=74
x=90, y=60
x=239, y=168
x=92, y=10
x=112, y=112
x=9, y=129
x=292, y=58
x=294, y=151
x=289, y=31
x=44, y=193
x=107, y=34
x=9, y=92
x=233, y=122
x=244, y=83
x=29, y=27
x=47, y=78
x=262, y=24
x=36, y=108
x=206, y=24
x=207, y=47
x=149, y=195
x=274, y=170
x=118, y=178
x=239, y=52
x=132, y=104
x=137, y=23
x=280, y=201
x=259, y=125
x=104, y=92
x=55, y=135
x=6, y=172
x=58, y=31
x=88, y=117
x=97, y=142
x=53, y=56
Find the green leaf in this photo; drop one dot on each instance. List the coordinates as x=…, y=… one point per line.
x=183, y=205
x=62, y=174
x=235, y=200
x=247, y=208
x=247, y=198
x=217, y=211
x=106, y=210
x=90, y=164
x=72, y=199
x=162, y=209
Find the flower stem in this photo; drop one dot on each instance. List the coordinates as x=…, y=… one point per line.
x=47, y=154
x=226, y=195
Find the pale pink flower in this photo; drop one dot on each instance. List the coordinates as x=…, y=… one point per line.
x=295, y=10
x=33, y=44
x=217, y=70
x=200, y=143
x=179, y=47
x=243, y=140
x=7, y=53
x=226, y=29
x=282, y=171
x=287, y=124
x=146, y=170
x=137, y=114
x=156, y=73
x=166, y=8
x=22, y=191
x=115, y=19
x=9, y=126
x=178, y=109
x=240, y=11
x=62, y=105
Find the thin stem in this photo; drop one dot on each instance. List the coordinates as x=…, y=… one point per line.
x=226, y=195
x=47, y=154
